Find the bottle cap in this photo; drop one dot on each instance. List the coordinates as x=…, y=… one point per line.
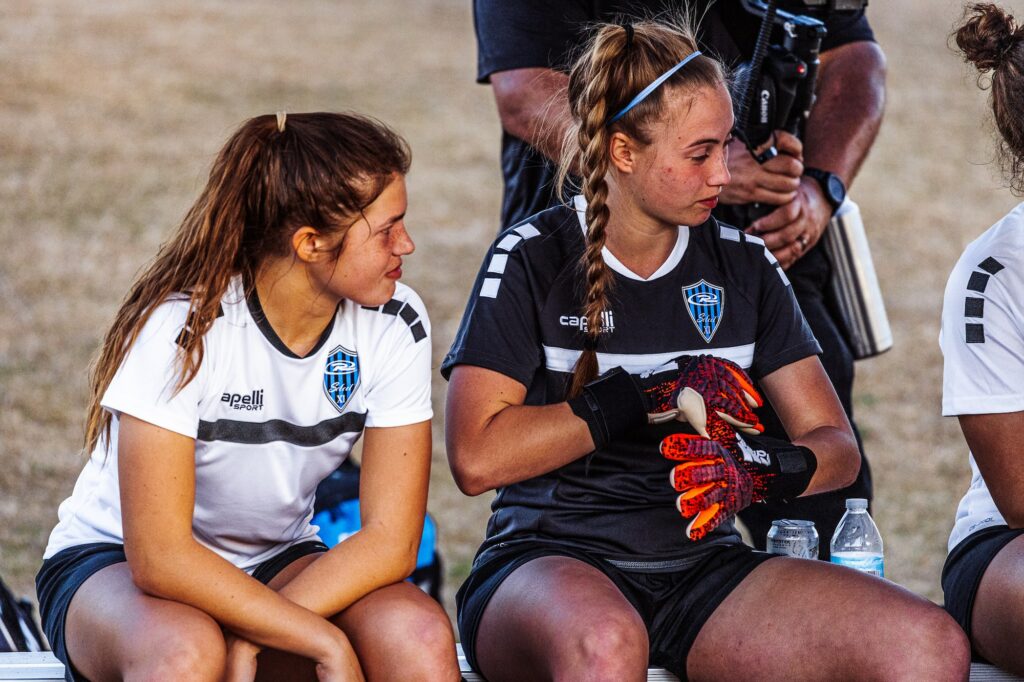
x=856, y=503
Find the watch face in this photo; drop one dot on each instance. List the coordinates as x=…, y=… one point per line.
x=836, y=189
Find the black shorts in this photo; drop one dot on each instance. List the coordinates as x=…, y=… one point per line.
x=62, y=574
x=674, y=600
x=965, y=566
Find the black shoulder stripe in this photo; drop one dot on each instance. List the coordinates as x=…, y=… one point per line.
x=408, y=315
x=978, y=282
x=975, y=333
x=991, y=265
x=974, y=307
x=366, y=307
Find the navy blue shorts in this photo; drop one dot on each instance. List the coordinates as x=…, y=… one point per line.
x=964, y=568
x=673, y=601
x=62, y=574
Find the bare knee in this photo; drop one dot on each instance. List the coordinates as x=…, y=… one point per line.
x=196, y=652
x=614, y=648
x=420, y=635
x=932, y=646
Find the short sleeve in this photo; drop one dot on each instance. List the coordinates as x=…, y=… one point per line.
x=846, y=27
x=145, y=383
x=981, y=339
x=521, y=34
x=783, y=335
x=400, y=390
x=500, y=330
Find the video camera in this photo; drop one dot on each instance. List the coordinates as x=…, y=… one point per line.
x=775, y=90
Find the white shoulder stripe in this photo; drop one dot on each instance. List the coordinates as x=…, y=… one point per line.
x=509, y=242
x=527, y=230
x=754, y=238
x=729, y=233
x=497, y=264
x=489, y=289
x=564, y=359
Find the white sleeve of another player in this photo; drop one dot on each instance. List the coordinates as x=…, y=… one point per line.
x=982, y=343
x=144, y=385
x=399, y=389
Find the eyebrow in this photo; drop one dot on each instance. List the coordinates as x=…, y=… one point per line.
x=394, y=219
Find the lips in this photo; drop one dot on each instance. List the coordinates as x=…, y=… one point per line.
x=709, y=203
x=396, y=273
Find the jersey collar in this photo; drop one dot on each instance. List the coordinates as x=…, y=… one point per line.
x=682, y=239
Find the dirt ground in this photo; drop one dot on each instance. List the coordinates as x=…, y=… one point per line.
x=110, y=115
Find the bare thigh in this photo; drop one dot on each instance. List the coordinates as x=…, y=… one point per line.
x=560, y=618
x=799, y=620
x=114, y=631
x=997, y=621
x=397, y=631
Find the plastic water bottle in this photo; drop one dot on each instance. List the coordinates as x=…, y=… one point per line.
x=857, y=542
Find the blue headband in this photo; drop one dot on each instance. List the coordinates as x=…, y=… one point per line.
x=652, y=87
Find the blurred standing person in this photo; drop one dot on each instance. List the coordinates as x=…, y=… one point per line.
x=267, y=336
x=524, y=51
x=982, y=342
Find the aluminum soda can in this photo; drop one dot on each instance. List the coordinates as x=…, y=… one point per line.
x=793, y=537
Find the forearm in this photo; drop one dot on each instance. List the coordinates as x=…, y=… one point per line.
x=837, y=455
x=848, y=111
x=517, y=443
x=189, y=573
x=374, y=557
x=533, y=106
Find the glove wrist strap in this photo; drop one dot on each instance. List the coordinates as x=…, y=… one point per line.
x=611, y=405
x=781, y=470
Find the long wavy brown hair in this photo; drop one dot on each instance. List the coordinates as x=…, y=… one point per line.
x=275, y=175
x=617, y=63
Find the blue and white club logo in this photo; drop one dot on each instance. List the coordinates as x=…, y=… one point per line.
x=705, y=303
x=341, y=376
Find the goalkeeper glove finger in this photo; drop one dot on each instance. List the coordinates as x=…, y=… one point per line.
x=706, y=386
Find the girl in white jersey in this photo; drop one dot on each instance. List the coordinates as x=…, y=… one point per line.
x=983, y=381
x=269, y=333
x=572, y=336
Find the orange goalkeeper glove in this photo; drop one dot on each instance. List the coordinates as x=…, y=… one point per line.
x=717, y=479
x=707, y=386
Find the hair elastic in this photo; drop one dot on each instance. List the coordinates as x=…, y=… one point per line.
x=629, y=36
x=282, y=116
x=652, y=87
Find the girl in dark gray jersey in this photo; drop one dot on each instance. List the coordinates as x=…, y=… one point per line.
x=584, y=320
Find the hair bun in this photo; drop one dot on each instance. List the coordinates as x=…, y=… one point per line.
x=985, y=35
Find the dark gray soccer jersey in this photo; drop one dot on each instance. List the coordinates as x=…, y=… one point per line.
x=720, y=292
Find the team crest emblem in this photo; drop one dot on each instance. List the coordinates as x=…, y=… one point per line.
x=341, y=376
x=705, y=302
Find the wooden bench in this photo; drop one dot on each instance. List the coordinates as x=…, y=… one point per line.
x=43, y=667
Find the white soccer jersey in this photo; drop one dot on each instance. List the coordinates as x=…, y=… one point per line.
x=268, y=425
x=982, y=341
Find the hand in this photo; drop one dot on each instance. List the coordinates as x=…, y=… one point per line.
x=241, y=659
x=713, y=487
x=704, y=383
x=773, y=182
x=792, y=229
x=718, y=478
x=339, y=663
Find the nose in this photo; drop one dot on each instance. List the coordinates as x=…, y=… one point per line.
x=720, y=176
x=403, y=243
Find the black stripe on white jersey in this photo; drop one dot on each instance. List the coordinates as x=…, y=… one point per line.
x=974, y=306
x=260, y=433
x=408, y=315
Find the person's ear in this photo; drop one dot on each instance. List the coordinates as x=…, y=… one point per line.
x=308, y=244
x=622, y=152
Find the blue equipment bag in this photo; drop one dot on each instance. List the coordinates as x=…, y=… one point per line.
x=336, y=512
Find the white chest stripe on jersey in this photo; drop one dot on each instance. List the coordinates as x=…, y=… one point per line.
x=564, y=359
x=259, y=433
x=489, y=287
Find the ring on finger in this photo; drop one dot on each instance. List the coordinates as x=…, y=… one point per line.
x=802, y=240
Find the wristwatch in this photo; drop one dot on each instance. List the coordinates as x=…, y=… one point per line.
x=831, y=185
